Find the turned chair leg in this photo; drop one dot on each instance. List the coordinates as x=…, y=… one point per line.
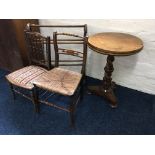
x=72, y=109
x=72, y=119
x=74, y=101
x=35, y=101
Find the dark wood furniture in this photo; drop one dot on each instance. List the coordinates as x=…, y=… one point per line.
x=64, y=81
x=21, y=80
x=81, y=29
x=39, y=57
x=12, y=43
x=112, y=44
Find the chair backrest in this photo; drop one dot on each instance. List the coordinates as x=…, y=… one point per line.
x=36, y=27
x=59, y=28
x=39, y=49
x=61, y=39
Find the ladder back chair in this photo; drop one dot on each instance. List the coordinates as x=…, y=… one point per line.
x=78, y=29
x=21, y=80
x=64, y=81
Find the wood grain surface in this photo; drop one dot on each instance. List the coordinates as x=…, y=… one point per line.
x=113, y=43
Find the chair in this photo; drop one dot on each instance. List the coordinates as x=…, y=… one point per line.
x=80, y=29
x=64, y=81
x=39, y=55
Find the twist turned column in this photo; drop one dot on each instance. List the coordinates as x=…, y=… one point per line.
x=107, y=84
x=107, y=80
x=112, y=44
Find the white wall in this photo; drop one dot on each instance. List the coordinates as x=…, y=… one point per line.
x=136, y=71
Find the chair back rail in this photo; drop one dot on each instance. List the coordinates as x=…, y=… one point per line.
x=39, y=49
x=81, y=55
x=74, y=39
x=36, y=27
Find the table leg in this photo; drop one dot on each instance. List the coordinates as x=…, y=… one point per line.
x=106, y=89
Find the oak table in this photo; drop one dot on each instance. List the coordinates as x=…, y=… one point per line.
x=112, y=44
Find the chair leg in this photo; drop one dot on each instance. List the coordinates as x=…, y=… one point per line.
x=72, y=120
x=74, y=100
x=35, y=101
x=12, y=90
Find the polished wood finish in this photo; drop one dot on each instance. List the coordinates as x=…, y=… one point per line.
x=12, y=43
x=10, y=58
x=112, y=44
x=19, y=26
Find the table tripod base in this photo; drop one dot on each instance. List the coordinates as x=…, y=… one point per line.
x=109, y=95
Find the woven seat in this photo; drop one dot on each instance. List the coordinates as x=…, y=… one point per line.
x=39, y=60
x=60, y=81
x=25, y=76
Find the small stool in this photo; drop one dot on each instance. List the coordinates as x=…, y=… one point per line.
x=112, y=44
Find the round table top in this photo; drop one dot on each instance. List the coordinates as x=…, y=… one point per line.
x=112, y=43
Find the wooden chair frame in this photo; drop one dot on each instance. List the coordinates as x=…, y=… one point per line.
x=37, y=27
x=34, y=28
x=35, y=42
x=83, y=55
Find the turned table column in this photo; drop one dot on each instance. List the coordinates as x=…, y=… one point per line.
x=112, y=44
